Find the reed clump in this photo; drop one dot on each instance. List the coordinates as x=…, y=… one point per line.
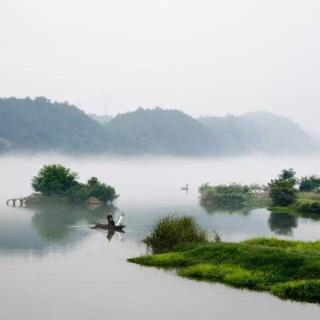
x=173, y=230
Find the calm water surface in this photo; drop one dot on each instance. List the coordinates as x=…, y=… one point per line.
x=53, y=266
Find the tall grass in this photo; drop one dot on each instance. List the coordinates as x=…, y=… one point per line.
x=173, y=230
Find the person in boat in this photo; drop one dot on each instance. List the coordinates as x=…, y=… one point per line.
x=110, y=220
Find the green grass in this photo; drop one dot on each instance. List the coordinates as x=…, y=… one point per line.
x=287, y=269
x=284, y=244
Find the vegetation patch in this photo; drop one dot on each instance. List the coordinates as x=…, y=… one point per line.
x=309, y=206
x=308, y=289
x=287, y=269
x=55, y=183
x=173, y=230
x=232, y=197
x=300, y=206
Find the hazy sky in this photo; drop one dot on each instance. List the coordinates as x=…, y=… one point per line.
x=204, y=57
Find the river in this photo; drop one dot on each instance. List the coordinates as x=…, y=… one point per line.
x=53, y=266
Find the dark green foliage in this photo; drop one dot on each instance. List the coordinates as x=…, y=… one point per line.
x=288, y=269
x=94, y=188
x=282, y=192
x=308, y=206
x=310, y=184
x=57, y=181
x=54, y=180
x=288, y=174
x=173, y=230
x=232, y=196
x=100, y=190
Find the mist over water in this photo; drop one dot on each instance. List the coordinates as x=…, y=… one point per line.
x=148, y=179
x=73, y=272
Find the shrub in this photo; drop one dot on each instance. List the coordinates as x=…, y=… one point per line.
x=173, y=230
x=100, y=190
x=224, y=196
x=308, y=206
x=94, y=188
x=282, y=192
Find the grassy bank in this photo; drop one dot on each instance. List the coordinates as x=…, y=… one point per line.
x=300, y=206
x=287, y=269
x=307, y=202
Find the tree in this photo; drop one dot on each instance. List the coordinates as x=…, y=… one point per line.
x=62, y=182
x=310, y=184
x=288, y=174
x=100, y=190
x=54, y=179
x=282, y=192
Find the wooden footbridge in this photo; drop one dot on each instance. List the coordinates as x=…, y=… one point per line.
x=16, y=202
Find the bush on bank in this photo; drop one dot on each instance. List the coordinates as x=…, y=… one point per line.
x=231, y=196
x=173, y=230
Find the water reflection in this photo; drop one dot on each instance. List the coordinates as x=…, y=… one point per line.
x=54, y=227
x=282, y=223
x=110, y=233
x=227, y=208
x=53, y=221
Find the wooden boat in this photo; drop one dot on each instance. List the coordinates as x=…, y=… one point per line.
x=106, y=226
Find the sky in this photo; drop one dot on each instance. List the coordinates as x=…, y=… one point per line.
x=202, y=57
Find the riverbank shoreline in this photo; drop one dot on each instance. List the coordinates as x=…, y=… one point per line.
x=286, y=269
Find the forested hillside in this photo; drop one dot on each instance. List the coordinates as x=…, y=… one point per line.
x=41, y=125
x=160, y=131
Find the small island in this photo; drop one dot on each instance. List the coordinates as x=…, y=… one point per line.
x=287, y=193
x=56, y=183
x=287, y=269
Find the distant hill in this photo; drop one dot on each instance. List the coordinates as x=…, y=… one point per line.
x=259, y=132
x=160, y=131
x=41, y=125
